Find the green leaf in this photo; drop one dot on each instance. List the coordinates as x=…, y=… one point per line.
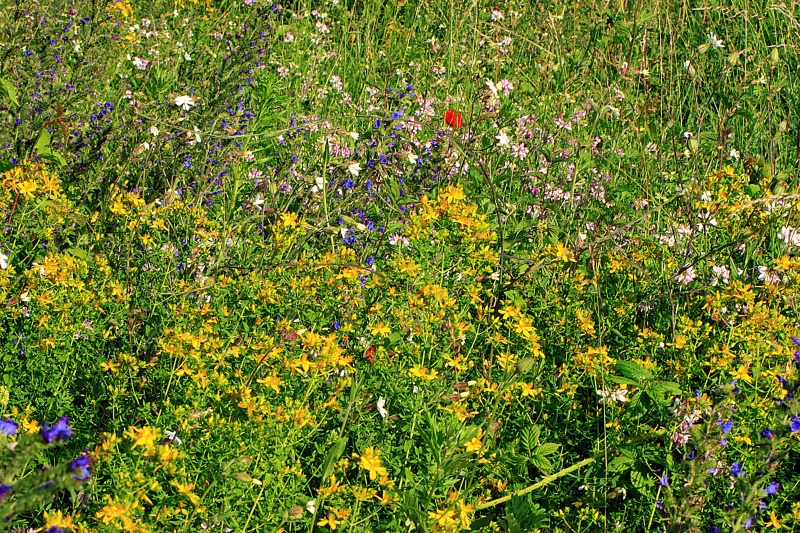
x=633, y=370
x=43, y=143
x=7, y=88
x=332, y=456
x=620, y=464
x=548, y=448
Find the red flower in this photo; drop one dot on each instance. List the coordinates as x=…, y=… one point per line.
x=453, y=118
x=369, y=354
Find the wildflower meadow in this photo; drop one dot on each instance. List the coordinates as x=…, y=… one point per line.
x=399, y=266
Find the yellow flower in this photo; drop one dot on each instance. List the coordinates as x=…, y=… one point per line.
x=742, y=373
x=423, y=373
x=773, y=521
x=142, y=436
x=330, y=522
x=475, y=444
x=26, y=189
x=382, y=330
x=371, y=462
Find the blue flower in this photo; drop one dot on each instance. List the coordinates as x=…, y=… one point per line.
x=8, y=426
x=81, y=465
x=59, y=431
x=766, y=433
x=663, y=480
x=5, y=490
x=794, y=425
x=772, y=488
x=726, y=426
x=54, y=529
x=736, y=470
x=713, y=529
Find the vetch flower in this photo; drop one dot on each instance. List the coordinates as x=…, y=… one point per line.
x=185, y=102
x=663, y=481
x=58, y=431
x=8, y=426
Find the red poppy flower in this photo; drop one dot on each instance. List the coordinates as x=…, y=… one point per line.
x=369, y=354
x=453, y=118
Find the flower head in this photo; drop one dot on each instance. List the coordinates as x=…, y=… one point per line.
x=81, y=465
x=8, y=426
x=58, y=431
x=453, y=118
x=185, y=102
x=714, y=41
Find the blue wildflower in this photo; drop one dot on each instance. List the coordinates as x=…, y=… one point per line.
x=8, y=426
x=794, y=425
x=5, y=490
x=772, y=488
x=726, y=426
x=663, y=480
x=736, y=470
x=81, y=465
x=766, y=433
x=59, y=431
x=713, y=529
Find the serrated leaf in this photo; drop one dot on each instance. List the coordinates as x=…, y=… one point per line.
x=639, y=481
x=541, y=462
x=633, y=370
x=620, y=464
x=548, y=448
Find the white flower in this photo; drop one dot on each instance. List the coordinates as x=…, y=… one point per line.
x=196, y=135
x=25, y=297
x=186, y=56
x=685, y=275
x=354, y=168
x=412, y=158
x=3, y=261
x=154, y=131
x=492, y=87
x=604, y=394
x=619, y=395
x=502, y=138
x=185, y=102
x=714, y=41
x=140, y=63
x=705, y=197
x=497, y=15
x=311, y=506
x=319, y=184
x=734, y=154
x=721, y=273
x=173, y=437
x=381, y=407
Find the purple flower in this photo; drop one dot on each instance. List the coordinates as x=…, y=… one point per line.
x=794, y=425
x=54, y=529
x=766, y=433
x=8, y=426
x=749, y=523
x=772, y=488
x=736, y=470
x=5, y=490
x=726, y=426
x=59, y=431
x=81, y=465
x=713, y=529
x=796, y=341
x=663, y=480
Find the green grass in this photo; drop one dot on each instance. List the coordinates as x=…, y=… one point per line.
x=274, y=291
